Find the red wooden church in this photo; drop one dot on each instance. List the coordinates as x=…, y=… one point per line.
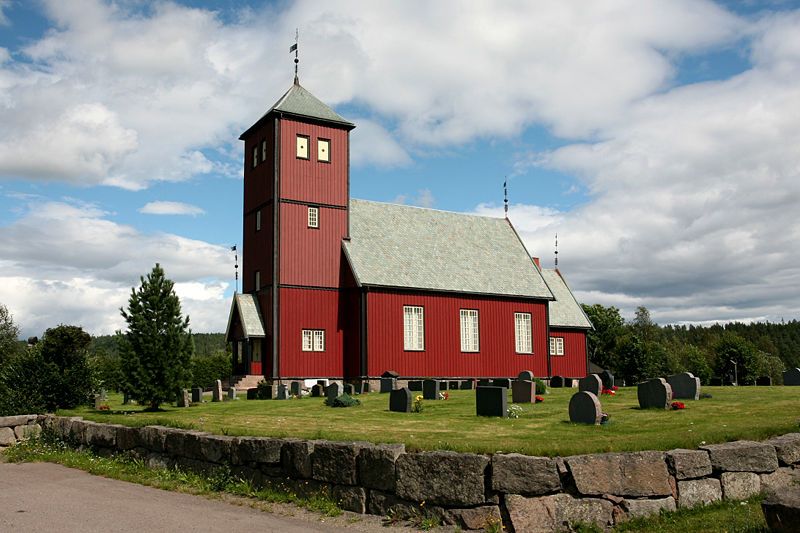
x=335, y=287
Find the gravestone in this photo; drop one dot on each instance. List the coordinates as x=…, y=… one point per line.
x=252, y=394
x=390, y=374
x=525, y=375
x=296, y=388
x=126, y=398
x=523, y=392
x=323, y=382
x=282, y=393
x=501, y=382
x=197, y=395
x=316, y=391
x=715, y=382
x=388, y=384
x=270, y=392
x=557, y=382
x=453, y=385
x=232, y=393
x=591, y=383
x=104, y=395
x=607, y=378
x=216, y=392
x=400, y=400
x=684, y=386
x=654, y=393
x=430, y=389
x=764, y=381
x=415, y=385
x=792, y=377
x=184, y=400
x=484, y=383
x=366, y=387
x=333, y=391
x=98, y=401
x=349, y=389
x=584, y=408
x=491, y=401
x=468, y=384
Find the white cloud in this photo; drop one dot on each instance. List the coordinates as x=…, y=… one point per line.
x=67, y=262
x=373, y=145
x=170, y=208
x=3, y=19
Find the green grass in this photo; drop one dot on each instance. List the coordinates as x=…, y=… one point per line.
x=724, y=517
x=126, y=468
x=543, y=429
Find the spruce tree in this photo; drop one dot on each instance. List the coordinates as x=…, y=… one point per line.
x=156, y=349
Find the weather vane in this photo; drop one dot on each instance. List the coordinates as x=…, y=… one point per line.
x=293, y=48
x=556, y=252
x=505, y=196
x=235, y=266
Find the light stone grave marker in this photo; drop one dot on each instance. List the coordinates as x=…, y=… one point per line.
x=216, y=393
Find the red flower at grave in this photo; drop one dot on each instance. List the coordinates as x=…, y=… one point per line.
x=614, y=388
x=104, y=407
x=678, y=405
x=539, y=399
x=609, y=392
x=446, y=395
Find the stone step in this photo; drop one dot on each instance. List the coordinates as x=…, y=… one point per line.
x=242, y=383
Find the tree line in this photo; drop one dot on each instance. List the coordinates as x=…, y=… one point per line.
x=640, y=349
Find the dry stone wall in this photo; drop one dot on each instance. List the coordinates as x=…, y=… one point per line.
x=470, y=490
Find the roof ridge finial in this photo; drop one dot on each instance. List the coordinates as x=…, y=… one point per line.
x=556, y=252
x=505, y=196
x=293, y=48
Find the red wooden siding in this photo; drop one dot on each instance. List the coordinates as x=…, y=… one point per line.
x=311, y=256
x=573, y=363
x=310, y=309
x=442, y=355
x=257, y=249
x=258, y=181
x=309, y=180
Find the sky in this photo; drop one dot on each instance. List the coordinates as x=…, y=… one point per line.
x=660, y=140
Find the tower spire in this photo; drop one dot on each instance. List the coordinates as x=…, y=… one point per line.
x=505, y=196
x=556, y=252
x=293, y=48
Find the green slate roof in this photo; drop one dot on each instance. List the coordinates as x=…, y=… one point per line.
x=565, y=311
x=416, y=248
x=249, y=316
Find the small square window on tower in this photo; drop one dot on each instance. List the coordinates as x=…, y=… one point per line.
x=313, y=217
x=324, y=150
x=302, y=147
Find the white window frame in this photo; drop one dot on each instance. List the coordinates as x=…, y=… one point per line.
x=470, y=330
x=258, y=280
x=264, y=150
x=313, y=340
x=324, y=155
x=523, y=333
x=258, y=220
x=556, y=345
x=255, y=156
x=302, y=146
x=313, y=217
x=413, y=328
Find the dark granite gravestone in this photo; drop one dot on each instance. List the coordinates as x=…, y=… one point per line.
x=216, y=392
x=388, y=384
x=453, y=385
x=557, y=382
x=430, y=389
x=269, y=392
x=525, y=375
x=390, y=374
x=654, y=393
x=316, y=391
x=282, y=393
x=484, y=383
x=584, y=408
x=232, y=393
x=792, y=377
x=501, y=382
x=400, y=400
x=366, y=387
x=715, y=382
x=607, y=378
x=764, y=381
x=252, y=394
x=591, y=383
x=491, y=401
x=323, y=382
x=184, y=400
x=684, y=386
x=197, y=395
x=126, y=399
x=349, y=389
x=333, y=391
x=523, y=391
x=296, y=388
x=415, y=385
x=468, y=384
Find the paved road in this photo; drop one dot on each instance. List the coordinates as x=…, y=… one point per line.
x=44, y=497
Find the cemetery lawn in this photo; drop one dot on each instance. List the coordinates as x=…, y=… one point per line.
x=752, y=413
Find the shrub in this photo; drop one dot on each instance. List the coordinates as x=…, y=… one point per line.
x=345, y=400
x=541, y=388
x=264, y=390
x=208, y=369
x=22, y=383
x=68, y=380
